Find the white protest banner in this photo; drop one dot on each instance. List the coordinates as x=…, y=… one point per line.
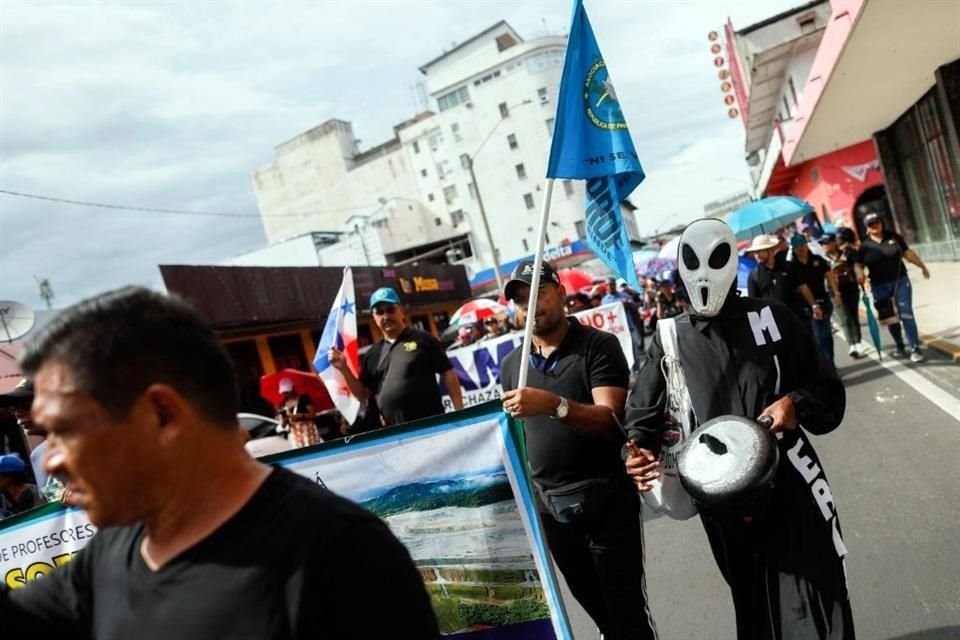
x=454, y=491
x=33, y=546
x=478, y=365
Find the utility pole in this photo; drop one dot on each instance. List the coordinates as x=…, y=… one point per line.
x=468, y=160
x=486, y=223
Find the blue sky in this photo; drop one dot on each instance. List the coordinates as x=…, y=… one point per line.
x=174, y=105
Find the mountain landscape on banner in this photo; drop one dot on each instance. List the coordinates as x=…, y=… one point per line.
x=468, y=490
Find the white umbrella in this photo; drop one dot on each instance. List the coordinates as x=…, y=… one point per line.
x=670, y=249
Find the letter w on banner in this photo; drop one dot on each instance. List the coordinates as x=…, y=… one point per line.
x=591, y=142
x=340, y=332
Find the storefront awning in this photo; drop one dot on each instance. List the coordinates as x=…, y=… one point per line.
x=876, y=59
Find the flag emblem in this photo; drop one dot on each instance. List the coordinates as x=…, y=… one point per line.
x=600, y=99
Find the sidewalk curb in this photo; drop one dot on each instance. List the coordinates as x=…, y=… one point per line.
x=945, y=347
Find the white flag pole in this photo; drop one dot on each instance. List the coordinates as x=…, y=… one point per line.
x=535, y=285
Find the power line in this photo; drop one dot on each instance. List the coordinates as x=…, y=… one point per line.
x=186, y=212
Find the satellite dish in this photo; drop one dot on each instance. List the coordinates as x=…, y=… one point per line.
x=15, y=320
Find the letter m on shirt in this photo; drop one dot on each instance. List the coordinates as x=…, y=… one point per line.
x=762, y=324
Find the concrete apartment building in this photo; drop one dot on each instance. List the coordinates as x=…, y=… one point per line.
x=493, y=99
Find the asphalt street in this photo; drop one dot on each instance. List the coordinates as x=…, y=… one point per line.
x=893, y=467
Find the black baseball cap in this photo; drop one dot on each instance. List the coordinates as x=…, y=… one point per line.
x=23, y=390
x=523, y=274
x=827, y=238
x=870, y=218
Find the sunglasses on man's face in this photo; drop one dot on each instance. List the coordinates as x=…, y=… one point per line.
x=384, y=309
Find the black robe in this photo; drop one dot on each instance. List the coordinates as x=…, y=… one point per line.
x=783, y=559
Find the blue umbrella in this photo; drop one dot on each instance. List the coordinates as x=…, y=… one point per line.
x=766, y=216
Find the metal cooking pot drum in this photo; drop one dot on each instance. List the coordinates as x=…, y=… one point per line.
x=727, y=461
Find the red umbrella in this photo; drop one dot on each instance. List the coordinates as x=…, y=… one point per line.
x=574, y=280
x=303, y=383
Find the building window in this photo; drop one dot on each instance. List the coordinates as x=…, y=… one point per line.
x=472, y=189
x=549, y=123
x=526, y=247
x=438, y=222
x=521, y=172
x=423, y=172
x=786, y=108
x=512, y=141
x=430, y=197
x=443, y=168
x=528, y=200
x=455, y=130
x=416, y=147
x=504, y=110
x=568, y=188
x=465, y=161
x=436, y=139
x=542, y=94
x=450, y=193
x=793, y=91
x=581, y=228
x=452, y=99
x=456, y=217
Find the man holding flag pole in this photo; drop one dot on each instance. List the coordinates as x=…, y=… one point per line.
x=400, y=371
x=588, y=508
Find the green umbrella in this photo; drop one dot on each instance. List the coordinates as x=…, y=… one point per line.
x=872, y=323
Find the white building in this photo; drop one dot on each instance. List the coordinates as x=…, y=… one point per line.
x=774, y=58
x=495, y=100
x=726, y=205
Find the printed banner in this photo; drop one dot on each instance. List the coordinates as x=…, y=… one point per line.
x=455, y=492
x=478, y=365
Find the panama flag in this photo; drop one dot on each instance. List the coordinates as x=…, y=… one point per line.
x=591, y=142
x=340, y=332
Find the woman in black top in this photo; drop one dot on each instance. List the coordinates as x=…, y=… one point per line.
x=882, y=253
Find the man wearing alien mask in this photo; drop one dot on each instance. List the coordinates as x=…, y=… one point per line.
x=782, y=555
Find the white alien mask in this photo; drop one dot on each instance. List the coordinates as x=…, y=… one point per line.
x=708, y=264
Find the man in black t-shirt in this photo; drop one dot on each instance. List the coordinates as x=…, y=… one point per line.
x=575, y=394
x=197, y=539
x=812, y=270
x=774, y=279
x=401, y=370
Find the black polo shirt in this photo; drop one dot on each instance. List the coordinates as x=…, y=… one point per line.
x=812, y=273
x=779, y=283
x=587, y=358
x=884, y=259
x=403, y=376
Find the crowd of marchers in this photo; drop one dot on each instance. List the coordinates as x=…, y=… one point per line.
x=124, y=421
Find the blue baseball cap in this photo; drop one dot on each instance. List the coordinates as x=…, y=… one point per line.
x=11, y=463
x=384, y=294
x=798, y=240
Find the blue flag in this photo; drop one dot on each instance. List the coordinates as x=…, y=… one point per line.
x=591, y=142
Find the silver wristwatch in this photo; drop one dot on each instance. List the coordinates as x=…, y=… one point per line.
x=562, y=409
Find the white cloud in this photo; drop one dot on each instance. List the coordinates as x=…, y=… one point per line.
x=174, y=104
